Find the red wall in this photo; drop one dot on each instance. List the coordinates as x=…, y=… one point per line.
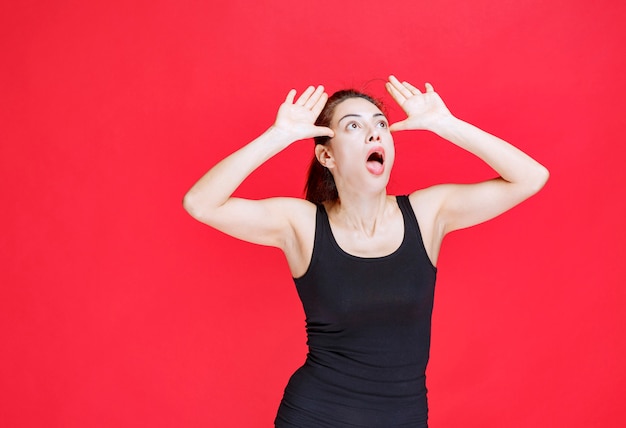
x=117, y=309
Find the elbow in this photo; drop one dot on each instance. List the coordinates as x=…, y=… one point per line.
x=191, y=205
x=538, y=179
x=199, y=207
x=543, y=176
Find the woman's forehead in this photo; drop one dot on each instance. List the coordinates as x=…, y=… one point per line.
x=355, y=106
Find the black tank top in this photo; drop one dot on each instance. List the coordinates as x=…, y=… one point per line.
x=368, y=325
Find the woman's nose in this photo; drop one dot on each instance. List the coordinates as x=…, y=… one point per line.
x=374, y=136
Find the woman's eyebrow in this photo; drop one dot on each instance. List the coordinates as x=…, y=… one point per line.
x=348, y=115
x=358, y=115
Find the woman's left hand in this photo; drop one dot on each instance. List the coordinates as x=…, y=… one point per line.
x=425, y=110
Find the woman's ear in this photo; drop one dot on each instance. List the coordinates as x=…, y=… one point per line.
x=324, y=156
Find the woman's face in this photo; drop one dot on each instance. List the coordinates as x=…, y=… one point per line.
x=362, y=149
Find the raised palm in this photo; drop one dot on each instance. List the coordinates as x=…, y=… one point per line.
x=423, y=109
x=297, y=119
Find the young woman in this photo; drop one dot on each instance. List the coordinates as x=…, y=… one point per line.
x=363, y=261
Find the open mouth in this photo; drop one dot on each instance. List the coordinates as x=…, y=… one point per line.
x=376, y=157
x=376, y=160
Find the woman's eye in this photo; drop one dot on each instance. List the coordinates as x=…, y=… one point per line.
x=382, y=124
x=352, y=125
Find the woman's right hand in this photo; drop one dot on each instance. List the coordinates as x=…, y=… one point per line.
x=296, y=120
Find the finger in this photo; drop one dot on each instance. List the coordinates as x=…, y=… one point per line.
x=429, y=87
x=411, y=88
x=302, y=99
x=394, y=80
x=400, y=87
x=290, y=96
x=395, y=94
x=315, y=96
x=325, y=131
x=319, y=105
x=398, y=126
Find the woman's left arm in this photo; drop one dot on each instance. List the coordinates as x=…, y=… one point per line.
x=464, y=205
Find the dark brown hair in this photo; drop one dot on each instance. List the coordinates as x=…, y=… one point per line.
x=320, y=184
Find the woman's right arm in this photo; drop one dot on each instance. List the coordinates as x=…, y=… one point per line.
x=265, y=221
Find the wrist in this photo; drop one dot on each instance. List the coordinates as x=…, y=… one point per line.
x=280, y=135
x=444, y=125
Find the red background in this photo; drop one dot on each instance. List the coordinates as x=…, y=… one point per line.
x=117, y=309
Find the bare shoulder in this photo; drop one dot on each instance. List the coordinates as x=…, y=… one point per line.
x=299, y=212
x=298, y=248
x=296, y=213
x=426, y=204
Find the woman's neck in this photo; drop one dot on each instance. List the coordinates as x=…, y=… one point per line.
x=358, y=212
